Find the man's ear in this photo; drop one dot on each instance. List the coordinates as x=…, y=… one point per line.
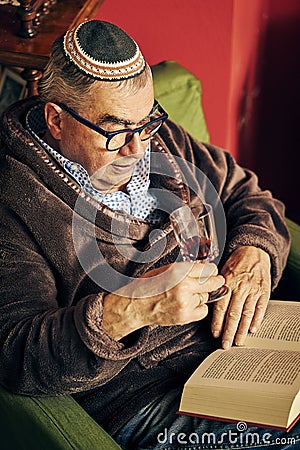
x=53, y=119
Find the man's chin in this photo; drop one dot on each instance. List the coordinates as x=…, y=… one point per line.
x=114, y=176
x=106, y=187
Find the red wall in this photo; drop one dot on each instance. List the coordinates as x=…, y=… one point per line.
x=249, y=22
x=281, y=104
x=195, y=33
x=247, y=56
x=269, y=107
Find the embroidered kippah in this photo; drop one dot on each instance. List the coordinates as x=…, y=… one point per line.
x=103, y=51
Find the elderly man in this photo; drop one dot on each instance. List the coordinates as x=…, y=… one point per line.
x=94, y=299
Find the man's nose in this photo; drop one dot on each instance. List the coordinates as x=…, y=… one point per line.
x=134, y=146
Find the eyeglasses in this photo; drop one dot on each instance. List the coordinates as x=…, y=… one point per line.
x=117, y=139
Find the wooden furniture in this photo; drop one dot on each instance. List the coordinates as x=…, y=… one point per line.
x=27, y=32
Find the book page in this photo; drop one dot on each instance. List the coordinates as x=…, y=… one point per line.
x=267, y=369
x=280, y=328
x=254, y=385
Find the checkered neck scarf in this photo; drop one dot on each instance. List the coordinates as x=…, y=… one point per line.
x=138, y=202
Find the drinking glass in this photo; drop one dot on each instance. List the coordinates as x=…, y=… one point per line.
x=197, y=239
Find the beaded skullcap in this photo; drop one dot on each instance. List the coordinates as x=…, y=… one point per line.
x=103, y=51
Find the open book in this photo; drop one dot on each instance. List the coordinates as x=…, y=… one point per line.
x=258, y=383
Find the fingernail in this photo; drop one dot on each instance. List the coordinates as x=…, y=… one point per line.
x=253, y=329
x=226, y=345
x=216, y=333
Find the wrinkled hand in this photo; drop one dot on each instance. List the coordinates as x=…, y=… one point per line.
x=171, y=295
x=248, y=273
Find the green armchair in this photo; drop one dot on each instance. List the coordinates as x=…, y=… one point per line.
x=59, y=423
x=289, y=285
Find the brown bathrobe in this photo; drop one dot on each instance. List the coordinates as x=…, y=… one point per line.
x=51, y=338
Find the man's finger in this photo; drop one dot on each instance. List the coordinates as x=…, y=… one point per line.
x=219, y=314
x=246, y=318
x=202, y=270
x=233, y=317
x=259, y=314
x=243, y=317
x=198, y=291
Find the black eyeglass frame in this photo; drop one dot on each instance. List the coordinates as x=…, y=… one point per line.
x=110, y=134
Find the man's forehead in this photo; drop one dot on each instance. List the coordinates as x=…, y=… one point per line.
x=111, y=103
x=122, y=120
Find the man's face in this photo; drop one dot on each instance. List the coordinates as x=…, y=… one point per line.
x=111, y=108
